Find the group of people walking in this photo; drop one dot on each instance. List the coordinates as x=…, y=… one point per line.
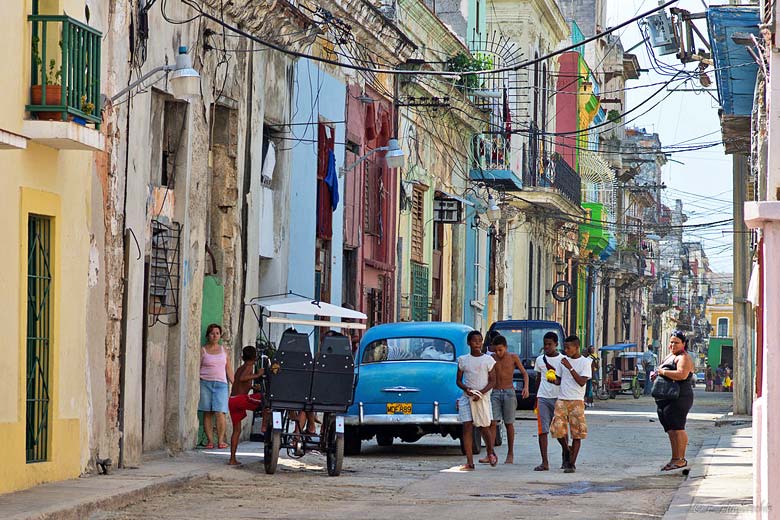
x=560, y=406
x=488, y=396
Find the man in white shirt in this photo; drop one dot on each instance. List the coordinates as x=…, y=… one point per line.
x=573, y=374
x=476, y=377
x=547, y=363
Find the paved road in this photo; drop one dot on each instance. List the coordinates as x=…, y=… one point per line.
x=617, y=477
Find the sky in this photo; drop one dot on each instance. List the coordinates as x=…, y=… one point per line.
x=703, y=182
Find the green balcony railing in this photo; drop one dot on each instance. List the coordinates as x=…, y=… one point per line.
x=65, y=77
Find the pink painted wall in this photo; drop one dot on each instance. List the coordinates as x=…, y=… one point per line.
x=566, y=119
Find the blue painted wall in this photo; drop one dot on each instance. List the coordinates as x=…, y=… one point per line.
x=318, y=96
x=470, y=271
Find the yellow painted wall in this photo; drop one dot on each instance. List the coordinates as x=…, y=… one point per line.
x=714, y=314
x=44, y=181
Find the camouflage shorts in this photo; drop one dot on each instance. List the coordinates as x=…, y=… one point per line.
x=569, y=415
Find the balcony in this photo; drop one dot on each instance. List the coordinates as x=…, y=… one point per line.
x=491, y=162
x=662, y=297
x=64, y=83
x=553, y=184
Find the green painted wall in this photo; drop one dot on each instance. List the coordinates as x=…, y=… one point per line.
x=715, y=349
x=213, y=304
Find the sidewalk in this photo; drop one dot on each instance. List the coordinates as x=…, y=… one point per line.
x=720, y=484
x=77, y=498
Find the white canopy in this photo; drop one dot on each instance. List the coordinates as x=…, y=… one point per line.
x=294, y=304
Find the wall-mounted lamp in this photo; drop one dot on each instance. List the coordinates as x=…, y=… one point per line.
x=394, y=156
x=185, y=81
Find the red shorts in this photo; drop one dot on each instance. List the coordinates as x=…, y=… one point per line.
x=240, y=404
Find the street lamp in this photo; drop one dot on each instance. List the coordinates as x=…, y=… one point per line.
x=394, y=156
x=493, y=211
x=185, y=81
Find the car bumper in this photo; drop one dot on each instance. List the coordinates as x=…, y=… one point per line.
x=387, y=419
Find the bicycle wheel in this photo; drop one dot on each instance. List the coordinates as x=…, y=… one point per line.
x=601, y=393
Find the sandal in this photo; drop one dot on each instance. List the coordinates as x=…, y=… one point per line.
x=671, y=466
x=541, y=467
x=484, y=460
x=466, y=467
x=493, y=459
x=222, y=445
x=209, y=446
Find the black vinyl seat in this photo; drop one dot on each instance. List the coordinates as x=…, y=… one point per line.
x=334, y=372
x=290, y=373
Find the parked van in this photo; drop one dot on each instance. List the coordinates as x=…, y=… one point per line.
x=526, y=339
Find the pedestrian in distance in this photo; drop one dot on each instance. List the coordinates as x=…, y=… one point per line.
x=708, y=379
x=593, y=381
x=503, y=397
x=720, y=374
x=649, y=362
x=546, y=366
x=241, y=401
x=215, y=372
x=574, y=372
x=476, y=377
x=677, y=369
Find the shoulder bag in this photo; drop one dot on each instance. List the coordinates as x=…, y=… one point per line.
x=665, y=388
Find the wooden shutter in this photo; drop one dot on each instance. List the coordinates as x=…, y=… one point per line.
x=418, y=223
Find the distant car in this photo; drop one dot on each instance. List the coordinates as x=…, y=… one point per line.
x=698, y=376
x=526, y=339
x=406, y=385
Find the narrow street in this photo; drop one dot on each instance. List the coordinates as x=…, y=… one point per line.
x=617, y=477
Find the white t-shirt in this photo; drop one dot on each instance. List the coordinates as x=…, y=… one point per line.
x=475, y=370
x=570, y=389
x=547, y=389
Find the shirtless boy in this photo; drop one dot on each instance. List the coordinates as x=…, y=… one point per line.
x=503, y=397
x=240, y=401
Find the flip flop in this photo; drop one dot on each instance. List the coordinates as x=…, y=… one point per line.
x=484, y=460
x=209, y=446
x=672, y=467
x=466, y=467
x=541, y=467
x=493, y=459
x=222, y=445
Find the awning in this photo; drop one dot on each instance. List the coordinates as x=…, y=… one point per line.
x=455, y=197
x=295, y=304
x=618, y=347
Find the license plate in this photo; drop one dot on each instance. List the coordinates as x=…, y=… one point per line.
x=399, y=408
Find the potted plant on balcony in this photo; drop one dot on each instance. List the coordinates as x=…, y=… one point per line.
x=53, y=87
x=86, y=107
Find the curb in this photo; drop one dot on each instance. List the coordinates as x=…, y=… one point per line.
x=686, y=492
x=121, y=499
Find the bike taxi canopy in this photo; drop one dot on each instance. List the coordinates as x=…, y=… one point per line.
x=296, y=305
x=618, y=347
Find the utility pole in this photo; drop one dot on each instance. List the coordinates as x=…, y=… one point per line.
x=743, y=318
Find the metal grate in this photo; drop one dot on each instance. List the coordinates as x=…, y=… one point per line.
x=39, y=283
x=420, y=300
x=164, y=273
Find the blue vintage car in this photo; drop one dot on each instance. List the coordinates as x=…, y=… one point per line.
x=406, y=383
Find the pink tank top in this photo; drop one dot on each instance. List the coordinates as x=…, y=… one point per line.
x=212, y=366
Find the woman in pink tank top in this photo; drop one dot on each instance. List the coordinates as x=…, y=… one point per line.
x=215, y=372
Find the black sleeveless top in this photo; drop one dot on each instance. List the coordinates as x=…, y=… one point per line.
x=685, y=385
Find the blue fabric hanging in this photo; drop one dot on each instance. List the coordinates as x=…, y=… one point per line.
x=332, y=180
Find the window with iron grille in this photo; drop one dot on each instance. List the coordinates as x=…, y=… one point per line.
x=375, y=306
x=39, y=319
x=164, y=275
x=420, y=301
x=373, y=199
x=418, y=223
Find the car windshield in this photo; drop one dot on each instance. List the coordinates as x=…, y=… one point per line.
x=409, y=349
x=514, y=338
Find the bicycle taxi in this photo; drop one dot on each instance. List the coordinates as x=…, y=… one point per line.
x=296, y=380
x=622, y=367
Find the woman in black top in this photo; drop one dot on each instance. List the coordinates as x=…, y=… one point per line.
x=672, y=413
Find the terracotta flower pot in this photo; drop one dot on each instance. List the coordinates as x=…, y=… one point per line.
x=53, y=97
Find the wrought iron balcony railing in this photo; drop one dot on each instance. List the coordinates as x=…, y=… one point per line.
x=491, y=152
x=65, y=76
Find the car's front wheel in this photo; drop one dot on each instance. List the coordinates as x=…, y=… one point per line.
x=476, y=446
x=352, y=442
x=384, y=439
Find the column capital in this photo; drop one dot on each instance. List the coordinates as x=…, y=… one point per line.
x=759, y=213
